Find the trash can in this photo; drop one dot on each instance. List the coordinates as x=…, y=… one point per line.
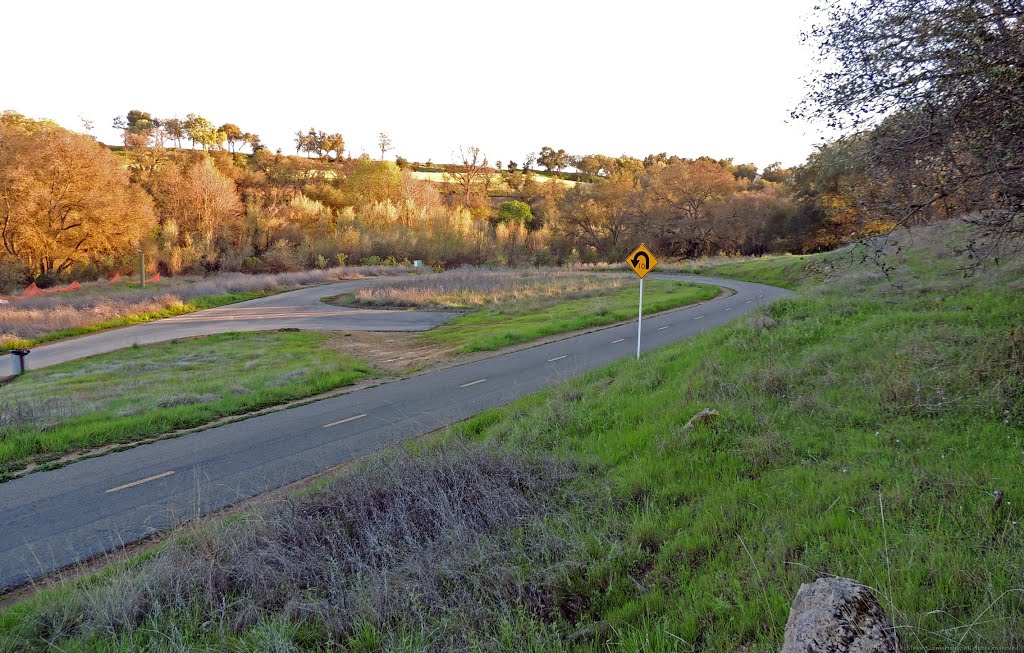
x=18, y=360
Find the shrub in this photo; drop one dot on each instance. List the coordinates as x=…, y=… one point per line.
x=514, y=212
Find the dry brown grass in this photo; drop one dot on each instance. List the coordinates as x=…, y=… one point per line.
x=467, y=288
x=27, y=321
x=419, y=542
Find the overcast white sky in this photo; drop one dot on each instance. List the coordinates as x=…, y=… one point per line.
x=690, y=78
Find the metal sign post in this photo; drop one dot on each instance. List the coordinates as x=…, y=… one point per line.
x=639, y=318
x=641, y=261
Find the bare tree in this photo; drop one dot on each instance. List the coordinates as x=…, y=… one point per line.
x=936, y=87
x=384, y=141
x=471, y=176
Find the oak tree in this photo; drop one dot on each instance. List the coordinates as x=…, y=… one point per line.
x=64, y=198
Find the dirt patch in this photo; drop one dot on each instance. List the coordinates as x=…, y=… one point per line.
x=393, y=352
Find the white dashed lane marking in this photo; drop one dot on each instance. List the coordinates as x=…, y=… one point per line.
x=466, y=385
x=347, y=419
x=139, y=482
x=556, y=358
x=619, y=340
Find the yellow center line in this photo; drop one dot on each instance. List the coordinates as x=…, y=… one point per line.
x=139, y=482
x=466, y=385
x=347, y=419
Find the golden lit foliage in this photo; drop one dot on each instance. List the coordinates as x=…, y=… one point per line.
x=64, y=198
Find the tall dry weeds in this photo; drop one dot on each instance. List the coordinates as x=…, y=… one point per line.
x=442, y=544
x=473, y=287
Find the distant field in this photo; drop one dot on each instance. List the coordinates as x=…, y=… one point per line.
x=498, y=188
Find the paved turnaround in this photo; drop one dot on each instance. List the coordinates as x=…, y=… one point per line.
x=301, y=309
x=57, y=518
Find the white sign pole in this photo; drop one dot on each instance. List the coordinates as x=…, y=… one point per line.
x=639, y=318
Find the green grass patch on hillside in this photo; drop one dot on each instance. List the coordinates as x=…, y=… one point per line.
x=788, y=271
x=143, y=392
x=187, y=306
x=495, y=327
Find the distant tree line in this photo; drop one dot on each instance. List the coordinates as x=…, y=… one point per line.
x=72, y=207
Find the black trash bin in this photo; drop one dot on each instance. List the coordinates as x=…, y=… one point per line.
x=18, y=357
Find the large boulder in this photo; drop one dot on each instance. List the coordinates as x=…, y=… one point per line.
x=838, y=615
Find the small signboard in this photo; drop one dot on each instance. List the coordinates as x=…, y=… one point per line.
x=641, y=261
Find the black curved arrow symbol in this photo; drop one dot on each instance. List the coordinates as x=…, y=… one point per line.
x=636, y=260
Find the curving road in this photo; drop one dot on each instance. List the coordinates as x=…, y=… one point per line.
x=56, y=518
x=300, y=309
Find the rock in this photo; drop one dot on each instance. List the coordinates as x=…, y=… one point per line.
x=763, y=322
x=705, y=416
x=838, y=615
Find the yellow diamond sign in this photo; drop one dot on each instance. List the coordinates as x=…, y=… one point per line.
x=641, y=261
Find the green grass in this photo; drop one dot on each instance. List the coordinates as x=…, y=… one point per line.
x=863, y=430
x=188, y=306
x=142, y=392
x=517, y=322
x=851, y=405
x=787, y=271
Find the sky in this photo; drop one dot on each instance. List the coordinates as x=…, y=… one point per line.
x=638, y=77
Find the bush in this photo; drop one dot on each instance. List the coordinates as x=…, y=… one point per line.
x=281, y=257
x=515, y=211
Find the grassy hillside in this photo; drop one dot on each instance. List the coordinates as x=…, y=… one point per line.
x=864, y=429
x=786, y=270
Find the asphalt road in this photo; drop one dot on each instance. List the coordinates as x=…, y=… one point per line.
x=300, y=309
x=49, y=520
